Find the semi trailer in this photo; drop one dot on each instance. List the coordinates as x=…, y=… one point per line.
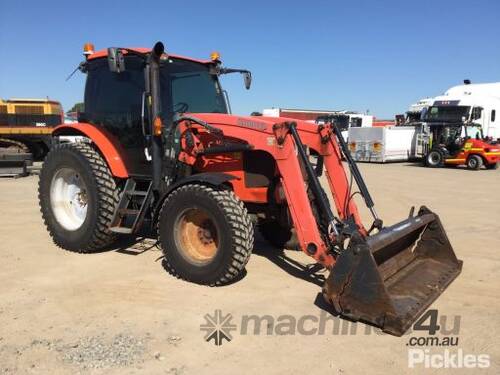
x=387, y=143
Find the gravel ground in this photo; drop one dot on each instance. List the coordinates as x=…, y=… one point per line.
x=119, y=312
x=89, y=354
x=97, y=352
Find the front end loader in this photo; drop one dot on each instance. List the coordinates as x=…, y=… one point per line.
x=158, y=151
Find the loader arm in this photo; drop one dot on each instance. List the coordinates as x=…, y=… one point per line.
x=323, y=141
x=388, y=278
x=278, y=140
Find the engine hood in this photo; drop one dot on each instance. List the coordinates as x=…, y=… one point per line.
x=260, y=123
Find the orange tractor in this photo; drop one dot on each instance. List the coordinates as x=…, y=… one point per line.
x=157, y=148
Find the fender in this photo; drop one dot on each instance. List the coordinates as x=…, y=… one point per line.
x=210, y=178
x=104, y=142
x=213, y=179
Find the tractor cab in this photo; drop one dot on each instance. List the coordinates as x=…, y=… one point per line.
x=119, y=84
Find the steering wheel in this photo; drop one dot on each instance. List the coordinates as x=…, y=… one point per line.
x=182, y=107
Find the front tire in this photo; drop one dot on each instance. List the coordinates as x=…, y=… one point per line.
x=206, y=234
x=434, y=159
x=77, y=196
x=474, y=162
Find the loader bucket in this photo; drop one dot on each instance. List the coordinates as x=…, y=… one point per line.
x=389, y=279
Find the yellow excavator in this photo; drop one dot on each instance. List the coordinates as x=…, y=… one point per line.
x=25, y=132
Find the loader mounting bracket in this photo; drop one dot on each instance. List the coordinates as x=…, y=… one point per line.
x=325, y=132
x=280, y=132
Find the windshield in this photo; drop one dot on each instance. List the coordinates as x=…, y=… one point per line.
x=446, y=113
x=188, y=86
x=342, y=121
x=474, y=131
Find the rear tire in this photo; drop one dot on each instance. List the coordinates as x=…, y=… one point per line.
x=206, y=234
x=77, y=196
x=492, y=166
x=434, y=159
x=474, y=162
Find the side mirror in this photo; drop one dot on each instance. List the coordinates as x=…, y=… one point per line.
x=247, y=78
x=116, y=61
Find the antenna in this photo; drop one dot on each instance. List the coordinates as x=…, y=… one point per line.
x=80, y=67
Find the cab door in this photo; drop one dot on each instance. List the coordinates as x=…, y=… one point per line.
x=113, y=101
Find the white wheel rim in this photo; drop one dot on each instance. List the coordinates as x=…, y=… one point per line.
x=433, y=158
x=68, y=198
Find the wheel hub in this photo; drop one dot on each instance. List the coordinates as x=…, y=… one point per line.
x=68, y=198
x=196, y=235
x=205, y=234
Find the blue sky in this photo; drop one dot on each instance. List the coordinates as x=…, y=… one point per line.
x=357, y=55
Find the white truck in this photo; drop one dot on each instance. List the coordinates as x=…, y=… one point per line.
x=478, y=103
x=415, y=111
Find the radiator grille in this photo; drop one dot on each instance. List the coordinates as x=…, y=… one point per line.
x=29, y=109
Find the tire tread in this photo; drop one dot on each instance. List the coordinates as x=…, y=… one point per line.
x=107, y=192
x=241, y=228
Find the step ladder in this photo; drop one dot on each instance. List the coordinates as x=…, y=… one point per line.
x=132, y=207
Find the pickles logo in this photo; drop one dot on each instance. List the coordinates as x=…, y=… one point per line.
x=218, y=327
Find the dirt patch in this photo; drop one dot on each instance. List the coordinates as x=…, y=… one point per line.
x=120, y=312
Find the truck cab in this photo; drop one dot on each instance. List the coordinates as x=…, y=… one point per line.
x=477, y=103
